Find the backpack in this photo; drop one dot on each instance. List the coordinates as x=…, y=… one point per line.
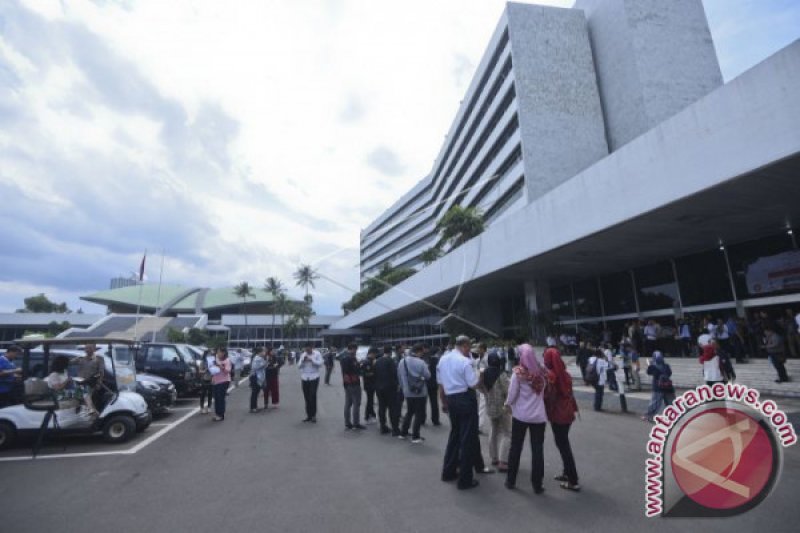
x=592, y=376
x=414, y=387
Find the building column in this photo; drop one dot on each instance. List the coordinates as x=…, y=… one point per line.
x=537, y=301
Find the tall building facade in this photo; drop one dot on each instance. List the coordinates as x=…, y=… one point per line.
x=619, y=177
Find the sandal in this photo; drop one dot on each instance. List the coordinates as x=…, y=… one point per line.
x=569, y=486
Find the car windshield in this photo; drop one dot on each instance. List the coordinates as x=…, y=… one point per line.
x=187, y=354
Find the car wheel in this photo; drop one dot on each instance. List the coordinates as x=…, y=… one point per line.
x=8, y=434
x=119, y=428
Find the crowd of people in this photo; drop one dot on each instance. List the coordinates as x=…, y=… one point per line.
x=473, y=386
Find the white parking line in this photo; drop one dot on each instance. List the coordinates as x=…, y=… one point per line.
x=165, y=427
x=149, y=440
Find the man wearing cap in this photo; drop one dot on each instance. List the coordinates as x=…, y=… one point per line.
x=10, y=376
x=457, y=381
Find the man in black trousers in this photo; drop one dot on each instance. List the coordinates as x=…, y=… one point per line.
x=386, y=386
x=457, y=382
x=432, y=359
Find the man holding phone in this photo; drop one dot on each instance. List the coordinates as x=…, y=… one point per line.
x=310, y=361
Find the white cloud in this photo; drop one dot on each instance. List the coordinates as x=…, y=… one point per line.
x=237, y=135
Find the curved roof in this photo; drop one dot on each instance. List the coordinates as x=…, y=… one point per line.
x=152, y=299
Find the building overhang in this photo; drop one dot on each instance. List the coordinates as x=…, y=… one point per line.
x=725, y=168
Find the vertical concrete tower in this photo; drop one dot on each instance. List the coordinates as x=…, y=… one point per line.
x=652, y=57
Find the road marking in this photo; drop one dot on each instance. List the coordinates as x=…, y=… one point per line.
x=149, y=440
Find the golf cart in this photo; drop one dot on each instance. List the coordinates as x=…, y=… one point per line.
x=121, y=411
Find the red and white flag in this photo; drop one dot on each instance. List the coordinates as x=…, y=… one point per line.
x=141, y=267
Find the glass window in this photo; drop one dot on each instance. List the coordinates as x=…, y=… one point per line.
x=703, y=278
x=587, y=299
x=618, y=296
x=766, y=266
x=656, y=287
x=561, y=303
x=164, y=354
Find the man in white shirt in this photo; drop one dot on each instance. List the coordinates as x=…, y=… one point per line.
x=601, y=364
x=457, y=381
x=309, y=362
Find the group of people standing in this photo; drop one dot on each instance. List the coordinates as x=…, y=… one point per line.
x=535, y=393
x=218, y=372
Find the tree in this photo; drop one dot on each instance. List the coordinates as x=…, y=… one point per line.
x=430, y=255
x=42, y=304
x=54, y=328
x=281, y=305
x=175, y=335
x=459, y=225
x=274, y=286
x=197, y=337
x=387, y=278
x=243, y=290
x=305, y=277
x=290, y=328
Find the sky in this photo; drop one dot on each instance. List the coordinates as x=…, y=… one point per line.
x=239, y=139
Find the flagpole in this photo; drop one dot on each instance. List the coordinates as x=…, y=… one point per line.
x=158, y=294
x=139, y=301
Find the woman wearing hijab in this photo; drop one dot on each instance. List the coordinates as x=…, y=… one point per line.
x=561, y=407
x=494, y=385
x=662, y=385
x=526, y=400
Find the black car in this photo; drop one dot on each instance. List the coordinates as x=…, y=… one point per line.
x=158, y=392
x=175, y=362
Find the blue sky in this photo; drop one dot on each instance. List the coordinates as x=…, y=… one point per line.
x=240, y=137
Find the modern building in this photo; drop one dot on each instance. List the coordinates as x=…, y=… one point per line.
x=15, y=325
x=619, y=177
x=149, y=312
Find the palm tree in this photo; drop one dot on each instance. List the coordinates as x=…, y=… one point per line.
x=274, y=286
x=281, y=304
x=290, y=327
x=243, y=290
x=460, y=224
x=430, y=255
x=305, y=277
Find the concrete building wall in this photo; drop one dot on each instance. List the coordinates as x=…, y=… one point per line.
x=748, y=124
x=653, y=58
x=561, y=119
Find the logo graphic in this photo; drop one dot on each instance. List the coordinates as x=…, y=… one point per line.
x=716, y=451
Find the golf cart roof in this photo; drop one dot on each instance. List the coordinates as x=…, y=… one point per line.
x=73, y=341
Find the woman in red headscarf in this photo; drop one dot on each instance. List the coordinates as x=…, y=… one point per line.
x=561, y=408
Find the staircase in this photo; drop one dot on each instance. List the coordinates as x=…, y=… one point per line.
x=687, y=373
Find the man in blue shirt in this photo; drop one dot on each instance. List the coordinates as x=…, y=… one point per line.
x=10, y=377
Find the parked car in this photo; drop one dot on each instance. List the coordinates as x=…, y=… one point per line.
x=176, y=362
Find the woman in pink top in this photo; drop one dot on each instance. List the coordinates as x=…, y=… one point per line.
x=526, y=400
x=220, y=379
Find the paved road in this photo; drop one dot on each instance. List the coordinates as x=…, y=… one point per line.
x=270, y=472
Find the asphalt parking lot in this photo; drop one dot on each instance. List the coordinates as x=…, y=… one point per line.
x=69, y=446
x=269, y=471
